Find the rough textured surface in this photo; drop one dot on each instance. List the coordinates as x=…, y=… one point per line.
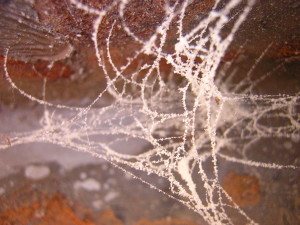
x=50, y=210
x=243, y=189
x=265, y=196
x=56, y=199
x=271, y=195
x=267, y=24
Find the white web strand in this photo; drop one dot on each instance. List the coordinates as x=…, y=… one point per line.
x=179, y=124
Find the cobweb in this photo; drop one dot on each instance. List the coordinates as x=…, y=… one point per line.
x=188, y=118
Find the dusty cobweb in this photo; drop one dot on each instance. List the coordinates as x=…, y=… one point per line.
x=187, y=119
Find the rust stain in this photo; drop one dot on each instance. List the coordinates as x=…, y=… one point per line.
x=17, y=68
x=288, y=51
x=244, y=189
x=232, y=55
x=55, y=209
x=164, y=222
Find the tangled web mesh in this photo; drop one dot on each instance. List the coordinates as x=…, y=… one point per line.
x=187, y=118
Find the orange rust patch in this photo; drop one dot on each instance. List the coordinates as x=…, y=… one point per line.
x=232, y=55
x=54, y=210
x=164, y=222
x=43, y=209
x=108, y=218
x=289, y=50
x=17, y=68
x=285, y=52
x=244, y=189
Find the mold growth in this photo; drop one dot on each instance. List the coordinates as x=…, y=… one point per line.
x=170, y=105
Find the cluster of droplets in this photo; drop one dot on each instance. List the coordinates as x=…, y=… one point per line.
x=180, y=126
